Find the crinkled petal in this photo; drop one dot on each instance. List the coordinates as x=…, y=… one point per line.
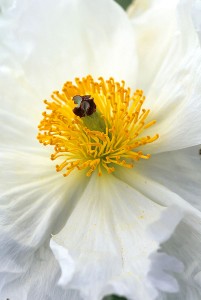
x=161, y=264
x=188, y=253
x=51, y=43
x=65, y=261
x=112, y=246
x=185, y=244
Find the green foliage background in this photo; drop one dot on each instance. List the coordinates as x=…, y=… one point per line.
x=113, y=297
x=124, y=3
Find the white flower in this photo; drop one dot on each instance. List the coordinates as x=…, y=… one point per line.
x=80, y=237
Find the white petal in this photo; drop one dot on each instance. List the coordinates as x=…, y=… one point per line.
x=107, y=236
x=185, y=244
x=174, y=95
x=19, y=133
x=42, y=199
x=38, y=279
x=67, y=40
x=154, y=24
x=154, y=190
x=35, y=202
x=19, y=98
x=180, y=171
x=29, y=214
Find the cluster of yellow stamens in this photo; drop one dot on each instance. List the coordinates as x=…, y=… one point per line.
x=111, y=136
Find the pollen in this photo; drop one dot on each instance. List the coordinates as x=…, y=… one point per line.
x=95, y=125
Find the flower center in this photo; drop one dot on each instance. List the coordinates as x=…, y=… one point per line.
x=95, y=125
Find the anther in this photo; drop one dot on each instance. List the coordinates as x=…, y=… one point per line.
x=86, y=105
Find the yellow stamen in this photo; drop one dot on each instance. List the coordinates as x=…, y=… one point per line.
x=111, y=136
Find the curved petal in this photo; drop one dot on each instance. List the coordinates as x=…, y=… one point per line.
x=173, y=95
x=107, y=237
x=154, y=25
x=65, y=261
x=180, y=171
x=54, y=43
x=153, y=190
